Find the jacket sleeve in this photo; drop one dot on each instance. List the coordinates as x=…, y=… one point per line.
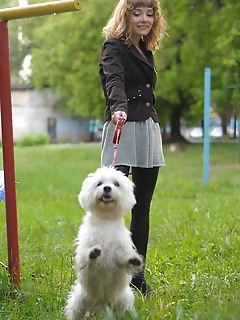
x=113, y=70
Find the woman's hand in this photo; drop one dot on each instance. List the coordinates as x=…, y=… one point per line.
x=117, y=115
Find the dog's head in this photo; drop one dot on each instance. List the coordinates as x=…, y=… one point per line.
x=107, y=191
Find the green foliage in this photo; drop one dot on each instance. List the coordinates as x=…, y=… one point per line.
x=194, y=247
x=19, y=49
x=66, y=49
x=70, y=54
x=33, y=140
x=8, y=3
x=197, y=30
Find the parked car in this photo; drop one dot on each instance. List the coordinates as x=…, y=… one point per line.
x=216, y=133
x=230, y=132
x=196, y=133
x=97, y=136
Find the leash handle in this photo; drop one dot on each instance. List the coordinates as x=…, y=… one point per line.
x=118, y=130
x=116, y=138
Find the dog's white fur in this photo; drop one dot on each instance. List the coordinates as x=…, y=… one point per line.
x=106, y=258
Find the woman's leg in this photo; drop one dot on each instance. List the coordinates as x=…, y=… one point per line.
x=145, y=182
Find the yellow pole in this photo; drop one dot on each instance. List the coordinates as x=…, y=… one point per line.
x=41, y=9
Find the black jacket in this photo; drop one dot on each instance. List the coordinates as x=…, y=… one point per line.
x=128, y=80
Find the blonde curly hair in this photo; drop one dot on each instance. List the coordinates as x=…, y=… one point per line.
x=117, y=26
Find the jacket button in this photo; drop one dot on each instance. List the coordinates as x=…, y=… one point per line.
x=148, y=104
x=148, y=85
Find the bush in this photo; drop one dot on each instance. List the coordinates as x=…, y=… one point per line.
x=33, y=140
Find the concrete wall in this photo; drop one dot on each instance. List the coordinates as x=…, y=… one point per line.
x=33, y=112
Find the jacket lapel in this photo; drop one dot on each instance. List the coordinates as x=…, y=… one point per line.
x=149, y=58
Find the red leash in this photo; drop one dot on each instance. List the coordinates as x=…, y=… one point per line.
x=116, y=138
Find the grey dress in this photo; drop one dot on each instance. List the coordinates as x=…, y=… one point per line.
x=140, y=145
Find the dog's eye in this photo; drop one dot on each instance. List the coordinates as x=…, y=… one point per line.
x=116, y=184
x=99, y=183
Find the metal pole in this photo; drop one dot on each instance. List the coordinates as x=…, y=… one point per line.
x=8, y=156
x=41, y=9
x=206, y=141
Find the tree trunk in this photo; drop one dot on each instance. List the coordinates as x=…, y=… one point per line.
x=175, y=124
x=224, y=125
x=235, y=125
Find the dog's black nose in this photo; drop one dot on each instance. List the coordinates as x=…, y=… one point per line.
x=107, y=189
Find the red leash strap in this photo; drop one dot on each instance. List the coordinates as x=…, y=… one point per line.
x=116, y=138
x=118, y=131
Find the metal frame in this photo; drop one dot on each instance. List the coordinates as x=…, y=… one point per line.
x=6, y=119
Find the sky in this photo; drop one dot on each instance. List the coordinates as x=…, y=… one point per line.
x=26, y=67
x=22, y=3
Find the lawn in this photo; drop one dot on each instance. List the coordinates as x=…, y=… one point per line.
x=194, y=250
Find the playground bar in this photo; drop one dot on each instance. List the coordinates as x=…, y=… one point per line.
x=40, y=9
x=46, y=8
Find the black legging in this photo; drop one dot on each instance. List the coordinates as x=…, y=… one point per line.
x=145, y=182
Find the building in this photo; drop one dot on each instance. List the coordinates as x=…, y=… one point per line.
x=34, y=112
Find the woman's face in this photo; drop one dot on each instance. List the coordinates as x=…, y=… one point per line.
x=141, y=21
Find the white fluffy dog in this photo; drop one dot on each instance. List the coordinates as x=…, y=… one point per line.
x=106, y=258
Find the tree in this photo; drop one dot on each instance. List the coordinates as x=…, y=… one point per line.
x=18, y=48
x=197, y=30
x=66, y=48
x=228, y=45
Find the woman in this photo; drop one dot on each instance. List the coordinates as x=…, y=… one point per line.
x=128, y=76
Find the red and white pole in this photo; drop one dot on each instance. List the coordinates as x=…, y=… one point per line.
x=8, y=156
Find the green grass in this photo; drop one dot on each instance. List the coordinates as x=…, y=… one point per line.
x=194, y=248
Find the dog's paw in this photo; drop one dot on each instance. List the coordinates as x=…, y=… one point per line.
x=94, y=253
x=135, y=262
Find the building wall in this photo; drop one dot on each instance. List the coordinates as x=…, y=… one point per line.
x=33, y=112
